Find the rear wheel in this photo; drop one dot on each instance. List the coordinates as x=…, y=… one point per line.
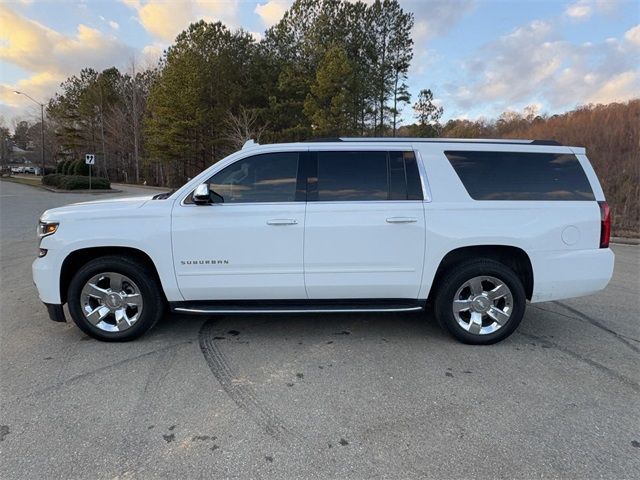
x=115, y=298
x=480, y=302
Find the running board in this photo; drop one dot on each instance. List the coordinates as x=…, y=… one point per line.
x=297, y=306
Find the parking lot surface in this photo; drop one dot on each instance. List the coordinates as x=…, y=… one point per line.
x=317, y=396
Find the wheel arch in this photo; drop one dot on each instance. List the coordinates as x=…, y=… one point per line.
x=77, y=258
x=513, y=257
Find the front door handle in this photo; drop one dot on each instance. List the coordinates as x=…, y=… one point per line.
x=282, y=221
x=401, y=220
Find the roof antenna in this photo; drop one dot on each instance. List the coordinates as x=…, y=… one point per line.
x=250, y=144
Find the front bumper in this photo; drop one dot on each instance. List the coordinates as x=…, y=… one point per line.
x=46, y=277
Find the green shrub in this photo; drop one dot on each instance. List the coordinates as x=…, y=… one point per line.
x=52, y=180
x=79, y=182
x=80, y=168
x=61, y=166
x=67, y=167
x=71, y=168
x=75, y=182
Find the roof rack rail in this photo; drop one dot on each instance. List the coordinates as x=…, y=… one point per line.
x=507, y=141
x=499, y=141
x=323, y=140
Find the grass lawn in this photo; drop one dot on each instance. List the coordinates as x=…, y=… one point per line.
x=35, y=181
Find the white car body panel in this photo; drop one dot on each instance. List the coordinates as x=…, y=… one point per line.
x=357, y=250
x=254, y=250
x=125, y=222
x=338, y=250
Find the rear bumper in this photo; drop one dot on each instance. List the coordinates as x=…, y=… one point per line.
x=56, y=312
x=566, y=274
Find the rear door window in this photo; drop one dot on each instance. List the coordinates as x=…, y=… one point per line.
x=521, y=175
x=365, y=176
x=352, y=176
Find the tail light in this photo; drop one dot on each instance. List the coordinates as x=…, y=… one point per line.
x=605, y=224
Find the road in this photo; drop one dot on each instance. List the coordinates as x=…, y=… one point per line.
x=322, y=396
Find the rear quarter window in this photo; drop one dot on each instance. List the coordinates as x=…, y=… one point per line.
x=521, y=175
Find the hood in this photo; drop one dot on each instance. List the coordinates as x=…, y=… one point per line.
x=107, y=208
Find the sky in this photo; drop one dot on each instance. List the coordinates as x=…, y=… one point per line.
x=480, y=58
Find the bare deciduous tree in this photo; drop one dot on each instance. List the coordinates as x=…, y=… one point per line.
x=242, y=126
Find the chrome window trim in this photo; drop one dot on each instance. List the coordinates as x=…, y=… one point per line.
x=237, y=203
x=424, y=182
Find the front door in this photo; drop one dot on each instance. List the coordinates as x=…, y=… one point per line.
x=365, y=228
x=250, y=246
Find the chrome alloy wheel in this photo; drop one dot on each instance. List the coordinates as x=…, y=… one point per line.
x=111, y=302
x=483, y=305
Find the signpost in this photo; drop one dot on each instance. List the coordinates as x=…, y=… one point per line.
x=90, y=159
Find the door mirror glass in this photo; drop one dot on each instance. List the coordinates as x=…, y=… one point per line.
x=201, y=195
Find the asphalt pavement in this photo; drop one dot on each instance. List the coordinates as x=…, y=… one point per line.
x=317, y=396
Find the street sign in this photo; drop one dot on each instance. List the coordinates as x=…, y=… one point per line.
x=90, y=159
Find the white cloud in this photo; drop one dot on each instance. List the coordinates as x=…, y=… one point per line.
x=583, y=9
x=51, y=56
x=437, y=19
x=166, y=19
x=579, y=10
x=534, y=62
x=151, y=54
x=633, y=35
x=39, y=86
x=272, y=11
x=114, y=25
x=623, y=86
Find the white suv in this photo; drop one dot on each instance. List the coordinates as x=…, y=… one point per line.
x=475, y=228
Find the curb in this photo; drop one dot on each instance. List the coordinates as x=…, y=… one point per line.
x=98, y=191
x=149, y=187
x=625, y=241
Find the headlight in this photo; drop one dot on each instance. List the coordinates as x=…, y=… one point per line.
x=47, y=228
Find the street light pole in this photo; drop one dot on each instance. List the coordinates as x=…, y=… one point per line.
x=41, y=124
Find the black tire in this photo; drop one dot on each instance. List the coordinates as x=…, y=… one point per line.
x=455, y=277
x=138, y=272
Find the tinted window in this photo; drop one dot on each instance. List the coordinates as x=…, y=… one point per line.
x=352, y=176
x=404, y=177
x=262, y=178
x=397, y=177
x=521, y=176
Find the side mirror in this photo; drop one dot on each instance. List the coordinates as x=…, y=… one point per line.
x=202, y=195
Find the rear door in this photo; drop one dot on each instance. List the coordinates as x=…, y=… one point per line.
x=365, y=231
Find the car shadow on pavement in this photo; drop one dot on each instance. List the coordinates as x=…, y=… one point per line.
x=309, y=327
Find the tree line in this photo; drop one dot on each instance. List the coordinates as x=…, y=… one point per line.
x=328, y=68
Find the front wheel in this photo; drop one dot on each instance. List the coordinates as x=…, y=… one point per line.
x=480, y=302
x=115, y=298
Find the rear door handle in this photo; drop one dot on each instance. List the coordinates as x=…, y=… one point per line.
x=282, y=221
x=401, y=220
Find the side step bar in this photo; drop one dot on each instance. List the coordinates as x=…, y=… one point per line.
x=297, y=306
